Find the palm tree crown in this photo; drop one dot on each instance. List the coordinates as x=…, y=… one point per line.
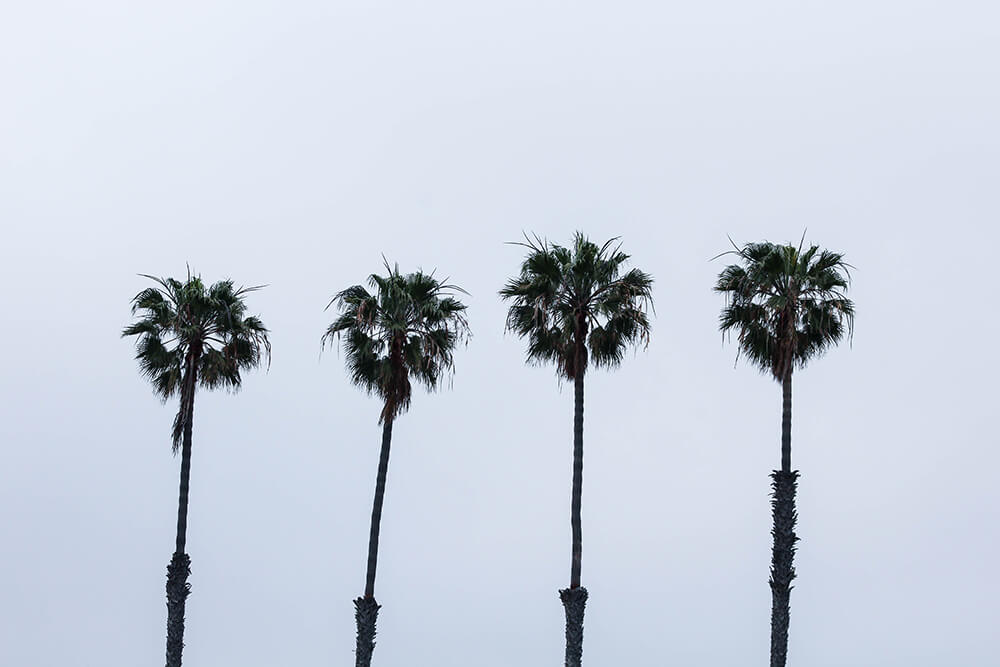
x=571, y=301
x=788, y=306
x=192, y=334
x=408, y=328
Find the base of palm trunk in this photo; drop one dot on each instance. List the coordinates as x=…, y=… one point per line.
x=783, y=485
x=575, y=603
x=365, y=613
x=178, y=590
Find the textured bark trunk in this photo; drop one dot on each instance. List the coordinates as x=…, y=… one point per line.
x=177, y=591
x=783, y=486
x=180, y=564
x=365, y=613
x=366, y=608
x=782, y=571
x=575, y=602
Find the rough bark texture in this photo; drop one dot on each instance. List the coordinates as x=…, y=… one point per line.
x=575, y=602
x=365, y=613
x=783, y=486
x=177, y=591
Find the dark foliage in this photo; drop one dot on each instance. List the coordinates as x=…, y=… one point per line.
x=787, y=306
x=408, y=329
x=190, y=334
x=575, y=305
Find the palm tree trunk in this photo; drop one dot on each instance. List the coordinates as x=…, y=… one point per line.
x=366, y=608
x=786, y=422
x=577, y=498
x=783, y=486
x=574, y=598
x=575, y=603
x=180, y=564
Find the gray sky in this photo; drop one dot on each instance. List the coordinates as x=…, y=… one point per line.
x=293, y=143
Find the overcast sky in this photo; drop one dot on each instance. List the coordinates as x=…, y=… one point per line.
x=294, y=143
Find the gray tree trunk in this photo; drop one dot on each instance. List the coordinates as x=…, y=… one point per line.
x=177, y=591
x=366, y=608
x=782, y=570
x=786, y=422
x=383, y=468
x=365, y=613
x=574, y=602
x=574, y=598
x=180, y=564
x=783, y=487
x=577, y=497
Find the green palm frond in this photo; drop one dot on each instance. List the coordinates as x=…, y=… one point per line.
x=406, y=328
x=190, y=334
x=787, y=305
x=578, y=294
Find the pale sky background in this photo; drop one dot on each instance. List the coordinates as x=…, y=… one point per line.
x=294, y=143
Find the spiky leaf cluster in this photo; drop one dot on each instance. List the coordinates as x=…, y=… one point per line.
x=185, y=326
x=407, y=327
x=786, y=306
x=562, y=292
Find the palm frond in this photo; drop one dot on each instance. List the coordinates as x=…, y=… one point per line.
x=573, y=304
x=407, y=327
x=786, y=305
x=186, y=327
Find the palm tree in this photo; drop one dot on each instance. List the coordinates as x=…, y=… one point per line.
x=190, y=335
x=407, y=330
x=787, y=307
x=575, y=307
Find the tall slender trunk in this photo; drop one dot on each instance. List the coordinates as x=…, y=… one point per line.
x=577, y=497
x=366, y=608
x=180, y=564
x=574, y=598
x=783, y=486
x=786, y=422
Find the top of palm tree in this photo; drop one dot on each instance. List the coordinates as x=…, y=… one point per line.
x=787, y=305
x=578, y=294
x=408, y=328
x=187, y=322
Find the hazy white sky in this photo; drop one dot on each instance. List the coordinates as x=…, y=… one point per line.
x=294, y=143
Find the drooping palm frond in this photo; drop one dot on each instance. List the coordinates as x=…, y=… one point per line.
x=407, y=328
x=565, y=296
x=786, y=305
x=190, y=334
